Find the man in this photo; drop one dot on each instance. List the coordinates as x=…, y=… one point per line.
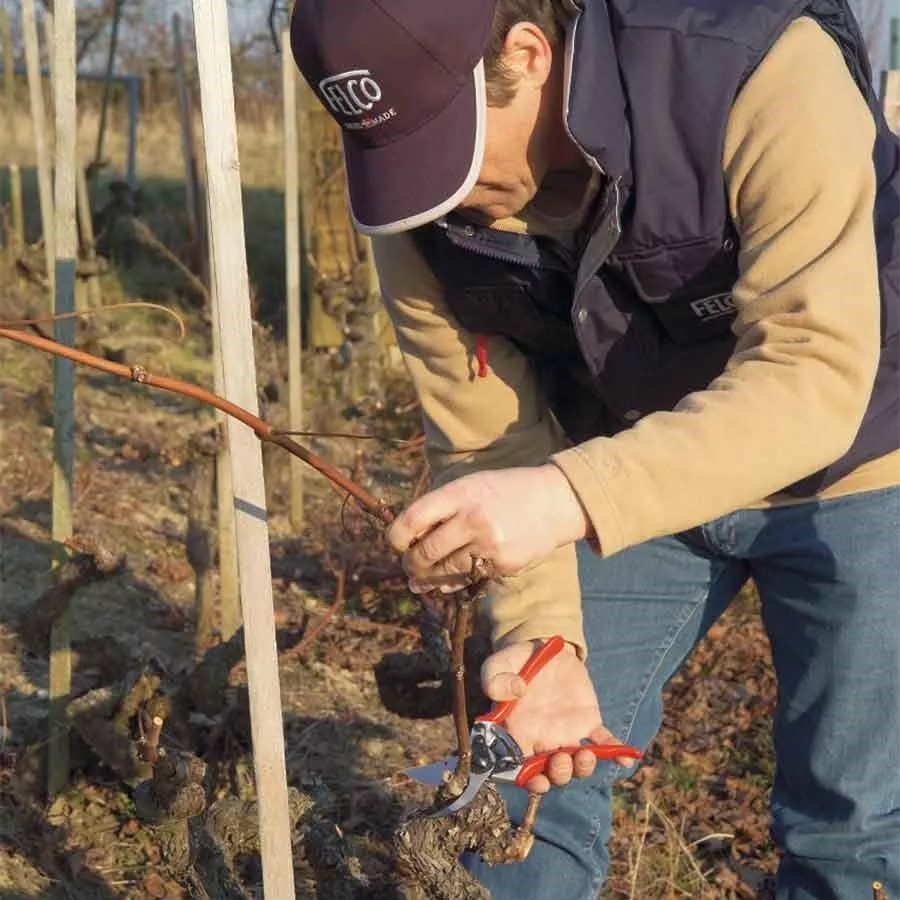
x=643, y=264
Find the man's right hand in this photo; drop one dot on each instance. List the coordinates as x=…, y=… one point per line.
x=559, y=708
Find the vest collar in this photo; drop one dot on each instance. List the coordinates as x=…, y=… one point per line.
x=595, y=106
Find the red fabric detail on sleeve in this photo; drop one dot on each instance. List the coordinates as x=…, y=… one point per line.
x=481, y=355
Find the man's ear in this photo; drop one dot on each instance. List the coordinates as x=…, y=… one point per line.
x=528, y=54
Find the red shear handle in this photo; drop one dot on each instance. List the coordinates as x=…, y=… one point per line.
x=535, y=663
x=537, y=765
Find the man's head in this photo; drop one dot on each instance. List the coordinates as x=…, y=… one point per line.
x=444, y=105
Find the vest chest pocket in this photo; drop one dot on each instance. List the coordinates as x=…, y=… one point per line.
x=512, y=311
x=688, y=287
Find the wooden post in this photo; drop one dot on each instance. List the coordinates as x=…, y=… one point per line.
x=82, y=201
x=193, y=199
x=39, y=123
x=51, y=68
x=134, y=84
x=66, y=251
x=382, y=331
x=107, y=84
x=229, y=594
x=306, y=170
x=293, y=250
x=12, y=142
x=373, y=298
x=18, y=216
x=86, y=232
x=234, y=324
x=199, y=227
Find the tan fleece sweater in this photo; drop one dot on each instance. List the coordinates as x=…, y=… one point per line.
x=800, y=182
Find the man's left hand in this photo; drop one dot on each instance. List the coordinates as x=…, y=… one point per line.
x=558, y=709
x=513, y=518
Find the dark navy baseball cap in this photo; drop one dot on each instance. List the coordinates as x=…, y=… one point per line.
x=405, y=81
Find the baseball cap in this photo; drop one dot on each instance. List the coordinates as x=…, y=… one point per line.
x=405, y=81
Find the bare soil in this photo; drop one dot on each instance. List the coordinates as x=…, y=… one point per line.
x=692, y=823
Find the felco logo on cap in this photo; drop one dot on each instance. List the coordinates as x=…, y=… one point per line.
x=352, y=96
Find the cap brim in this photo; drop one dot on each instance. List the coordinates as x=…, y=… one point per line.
x=423, y=175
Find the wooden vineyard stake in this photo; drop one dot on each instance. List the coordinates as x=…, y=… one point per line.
x=107, y=91
x=229, y=592
x=61, y=48
x=39, y=124
x=12, y=142
x=197, y=232
x=234, y=324
x=294, y=248
x=86, y=235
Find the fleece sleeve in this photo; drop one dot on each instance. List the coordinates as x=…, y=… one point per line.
x=800, y=182
x=473, y=424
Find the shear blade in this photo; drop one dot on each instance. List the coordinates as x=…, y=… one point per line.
x=464, y=799
x=434, y=774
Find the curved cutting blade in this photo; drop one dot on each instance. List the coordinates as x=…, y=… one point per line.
x=434, y=774
x=464, y=799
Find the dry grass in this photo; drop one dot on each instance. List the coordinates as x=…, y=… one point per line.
x=159, y=154
x=657, y=861
x=160, y=172
x=669, y=868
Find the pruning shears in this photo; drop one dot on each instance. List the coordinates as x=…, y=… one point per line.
x=495, y=754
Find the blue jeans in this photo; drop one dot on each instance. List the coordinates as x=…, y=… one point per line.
x=828, y=576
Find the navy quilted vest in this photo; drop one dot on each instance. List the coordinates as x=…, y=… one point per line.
x=642, y=316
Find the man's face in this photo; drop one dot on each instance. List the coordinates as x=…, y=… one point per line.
x=514, y=160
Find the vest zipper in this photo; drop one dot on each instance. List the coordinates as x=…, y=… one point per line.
x=600, y=245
